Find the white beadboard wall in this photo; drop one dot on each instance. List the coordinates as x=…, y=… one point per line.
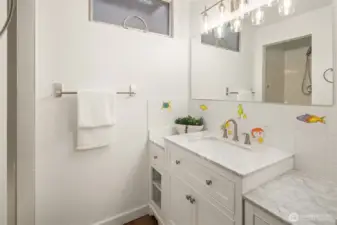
x=314, y=144
x=84, y=188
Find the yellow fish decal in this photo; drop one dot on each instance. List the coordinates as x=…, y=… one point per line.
x=167, y=105
x=241, y=113
x=203, y=107
x=307, y=118
x=227, y=126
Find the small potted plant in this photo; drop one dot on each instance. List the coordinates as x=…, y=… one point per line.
x=189, y=124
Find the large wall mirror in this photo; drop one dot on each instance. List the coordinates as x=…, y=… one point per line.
x=279, y=52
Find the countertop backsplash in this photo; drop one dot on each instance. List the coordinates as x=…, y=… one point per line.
x=313, y=144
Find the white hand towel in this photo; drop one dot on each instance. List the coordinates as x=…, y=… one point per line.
x=95, y=108
x=93, y=138
x=96, y=116
x=245, y=95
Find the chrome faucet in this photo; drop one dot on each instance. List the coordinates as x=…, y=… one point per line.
x=235, y=136
x=247, y=138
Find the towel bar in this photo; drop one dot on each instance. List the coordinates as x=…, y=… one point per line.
x=58, y=91
x=235, y=93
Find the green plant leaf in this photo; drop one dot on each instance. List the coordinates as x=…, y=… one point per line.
x=189, y=120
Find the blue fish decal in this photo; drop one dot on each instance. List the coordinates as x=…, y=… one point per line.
x=307, y=118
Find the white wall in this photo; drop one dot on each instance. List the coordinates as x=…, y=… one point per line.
x=81, y=188
x=274, y=78
x=295, y=61
x=3, y=112
x=211, y=73
x=314, y=144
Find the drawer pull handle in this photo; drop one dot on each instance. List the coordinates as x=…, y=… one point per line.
x=192, y=200
x=178, y=162
x=188, y=197
x=155, y=157
x=209, y=182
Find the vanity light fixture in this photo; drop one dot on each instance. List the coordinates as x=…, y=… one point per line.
x=286, y=7
x=258, y=17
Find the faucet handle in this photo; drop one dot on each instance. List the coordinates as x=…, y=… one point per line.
x=247, y=138
x=225, y=133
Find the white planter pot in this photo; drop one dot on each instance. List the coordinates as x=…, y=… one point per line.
x=181, y=129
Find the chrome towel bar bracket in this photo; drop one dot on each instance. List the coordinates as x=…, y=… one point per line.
x=58, y=91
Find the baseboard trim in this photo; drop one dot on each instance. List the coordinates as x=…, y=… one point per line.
x=126, y=217
x=155, y=213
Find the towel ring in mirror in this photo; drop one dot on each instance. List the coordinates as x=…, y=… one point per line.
x=324, y=75
x=146, y=28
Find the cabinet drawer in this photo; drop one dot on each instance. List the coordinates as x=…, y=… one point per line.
x=218, y=188
x=178, y=160
x=210, y=214
x=157, y=156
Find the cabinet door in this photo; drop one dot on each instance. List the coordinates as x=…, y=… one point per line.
x=208, y=214
x=255, y=216
x=180, y=207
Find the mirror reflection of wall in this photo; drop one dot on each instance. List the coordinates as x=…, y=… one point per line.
x=269, y=62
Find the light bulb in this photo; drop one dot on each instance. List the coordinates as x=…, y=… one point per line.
x=219, y=32
x=271, y=2
x=258, y=17
x=206, y=28
x=286, y=7
x=236, y=25
x=222, y=10
x=242, y=6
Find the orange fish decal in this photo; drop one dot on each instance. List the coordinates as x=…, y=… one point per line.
x=259, y=134
x=256, y=132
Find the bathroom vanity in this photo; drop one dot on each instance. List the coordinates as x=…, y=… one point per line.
x=203, y=178
x=206, y=179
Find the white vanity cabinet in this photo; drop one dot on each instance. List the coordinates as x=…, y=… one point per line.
x=158, y=181
x=254, y=215
x=190, y=208
x=181, y=209
x=200, y=194
x=210, y=214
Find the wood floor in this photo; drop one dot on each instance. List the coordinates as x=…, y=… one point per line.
x=146, y=220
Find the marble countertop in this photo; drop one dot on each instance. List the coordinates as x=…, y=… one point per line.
x=158, y=141
x=156, y=135
x=298, y=199
x=240, y=161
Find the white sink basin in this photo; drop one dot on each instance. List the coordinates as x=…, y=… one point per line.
x=210, y=138
x=231, y=142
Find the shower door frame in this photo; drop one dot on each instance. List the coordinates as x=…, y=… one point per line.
x=3, y=117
